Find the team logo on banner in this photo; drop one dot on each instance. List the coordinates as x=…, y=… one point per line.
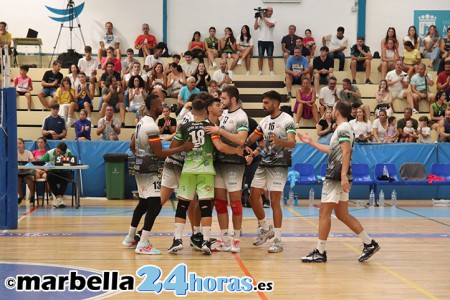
x=423, y=19
x=67, y=14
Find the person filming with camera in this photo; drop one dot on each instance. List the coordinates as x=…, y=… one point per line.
x=266, y=24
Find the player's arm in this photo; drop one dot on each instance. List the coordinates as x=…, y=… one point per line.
x=305, y=138
x=156, y=145
x=254, y=137
x=288, y=143
x=133, y=144
x=346, y=154
x=238, y=138
x=224, y=148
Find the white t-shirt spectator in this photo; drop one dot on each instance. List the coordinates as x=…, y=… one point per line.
x=397, y=87
x=189, y=69
x=266, y=32
x=380, y=129
x=335, y=43
x=245, y=43
x=151, y=61
x=361, y=127
x=87, y=67
x=110, y=40
x=328, y=96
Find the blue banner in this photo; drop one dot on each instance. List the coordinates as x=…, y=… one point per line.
x=423, y=19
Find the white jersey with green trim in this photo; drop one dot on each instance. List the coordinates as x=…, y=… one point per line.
x=343, y=133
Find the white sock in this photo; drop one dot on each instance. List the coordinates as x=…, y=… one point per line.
x=206, y=233
x=264, y=224
x=144, y=236
x=224, y=235
x=197, y=229
x=277, y=232
x=179, y=227
x=132, y=232
x=365, y=238
x=237, y=234
x=321, y=246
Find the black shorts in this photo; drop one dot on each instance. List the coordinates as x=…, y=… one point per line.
x=21, y=93
x=323, y=79
x=361, y=66
x=296, y=80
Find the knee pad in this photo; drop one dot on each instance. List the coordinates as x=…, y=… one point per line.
x=182, y=209
x=221, y=206
x=236, y=208
x=205, y=208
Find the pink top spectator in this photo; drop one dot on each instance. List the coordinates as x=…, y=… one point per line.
x=117, y=64
x=37, y=154
x=22, y=84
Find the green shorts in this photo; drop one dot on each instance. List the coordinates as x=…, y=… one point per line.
x=190, y=184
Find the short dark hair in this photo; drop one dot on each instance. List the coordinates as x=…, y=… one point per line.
x=149, y=100
x=211, y=101
x=57, y=62
x=25, y=68
x=176, y=56
x=198, y=105
x=272, y=95
x=408, y=44
x=360, y=38
x=324, y=48
x=356, y=105
x=88, y=49
x=341, y=29
x=129, y=50
x=299, y=38
x=188, y=53
x=62, y=146
x=332, y=78
x=346, y=80
x=408, y=109
x=448, y=61
x=390, y=119
x=344, y=108
x=231, y=91
x=110, y=63
x=54, y=106
x=203, y=96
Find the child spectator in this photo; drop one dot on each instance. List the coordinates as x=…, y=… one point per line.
x=24, y=85
x=83, y=127
x=64, y=96
x=424, y=131
x=391, y=132
x=410, y=133
x=84, y=94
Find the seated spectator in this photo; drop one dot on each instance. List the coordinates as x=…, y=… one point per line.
x=167, y=125
x=109, y=40
x=112, y=95
x=187, y=91
x=420, y=85
x=288, y=42
x=222, y=76
x=390, y=34
x=407, y=113
x=25, y=175
x=212, y=47
x=445, y=51
x=351, y=93
x=245, y=48
x=322, y=68
x=325, y=127
x=296, y=68
x=361, y=59
x=151, y=60
x=310, y=42
x=176, y=80
x=158, y=82
x=444, y=127
x=108, y=127
x=24, y=85
x=88, y=65
x=58, y=179
x=437, y=110
x=109, y=72
x=328, y=95
x=337, y=44
x=411, y=59
x=424, y=131
x=355, y=107
x=73, y=76
x=431, y=47
x=38, y=154
x=146, y=42
x=389, y=55
x=384, y=99
x=54, y=127
x=413, y=37
x=303, y=50
x=203, y=78
x=127, y=63
x=362, y=127
x=197, y=47
x=212, y=87
x=175, y=59
x=409, y=133
x=380, y=128
x=110, y=58
x=392, y=131
x=137, y=94
x=305, y=104
x=83, y=127
x=50, y=82
x=84, y=94
x=188, y=66
x=443, y=80
x=64, y=96
x=398, y=82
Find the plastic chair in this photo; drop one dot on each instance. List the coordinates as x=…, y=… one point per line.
x=361, y=175
x=307, y=175
x=392, y=170
x=441, y=170
x=46, y=191
x=323, y=170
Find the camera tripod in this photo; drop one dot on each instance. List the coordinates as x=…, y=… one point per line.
x=70, y=9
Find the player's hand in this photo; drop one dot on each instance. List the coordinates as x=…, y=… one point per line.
x=249, y=159
x=305, y=138
x=188, y=145
x=345, y=185
x=239, y=151
x=212, y=129
x=276, y=141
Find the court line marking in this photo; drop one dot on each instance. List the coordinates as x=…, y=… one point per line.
x=247, y=273
x=383, y=267
x=25, y=214
x=424, y=217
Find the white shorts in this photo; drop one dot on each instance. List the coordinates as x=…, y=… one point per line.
x=229, y=177
x=149, y=185
x=171, y=175
x=398, y=94
x=332, y=192
x=272, y=179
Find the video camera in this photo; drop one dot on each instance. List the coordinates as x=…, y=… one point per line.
x=260, y=11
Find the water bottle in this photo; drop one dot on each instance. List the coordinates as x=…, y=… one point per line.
x=311, y=197
x=385, y=171
x=372, y=198
x=394, y=198
x=295, y=199
x=290, y=201
x=381, y=198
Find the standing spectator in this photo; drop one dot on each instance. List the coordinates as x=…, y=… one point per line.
x=158, y=82
x=83, y=127
x=266, y=24
x=390, y=34
x=112, y=95
x=443, y=80
x=203, y=78
x=146, y=42
x=398, y=82
x=288, y=42
x=337, y=44
x=413, y=37
x=245, y=48
x=110, y=58
x=411, y=58
x=84, y=94
x=325, y=127
x=24, y=175
x=432, y=48
x=328, y=95
x=189, y=66
x=407, y=113
x=323, y=67
x=127, y=63
x=384, y=99
x=197, y=47
x=167, y=125
x=212, y=47
x=351, y=93
x=109, y=40
x=108, y=127
x=389, y=55
x=361, y=126
x=176, y=80
x=54, y=127
x=305, y=105
x=444, y=127
x=187, y=91
x=228, y=48
x=361, y=59
x=73, y=76
x=151, y=60
x=88, y=65
x=50, y=82
x=64, y=96
x=310, y=42
x=420, y=85
x=437, y=110
x=221, y=76
x=24, y=85
x=296, y=68
x=424, y=131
